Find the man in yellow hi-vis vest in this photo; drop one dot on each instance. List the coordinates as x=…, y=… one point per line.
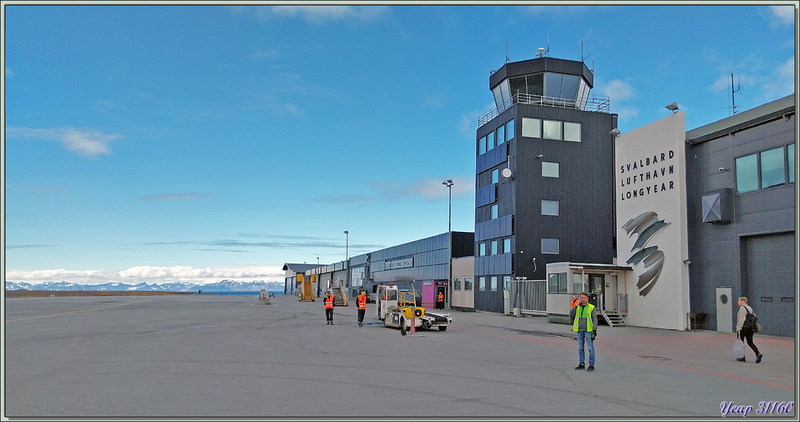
x=584, y=323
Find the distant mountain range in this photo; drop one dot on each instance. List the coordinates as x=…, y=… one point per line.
x=221, y=286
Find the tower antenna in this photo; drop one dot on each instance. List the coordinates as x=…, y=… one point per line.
x=507, y=52
x=733, y=95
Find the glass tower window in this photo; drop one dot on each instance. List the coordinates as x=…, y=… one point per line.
x=549, y=246
x=572, y=132
x=549, y=169
x=552, y=129
x=531, y=128
x=510, y=130
x=549, y=207
x=790, y=153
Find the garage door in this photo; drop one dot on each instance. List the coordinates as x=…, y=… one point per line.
x=770, y=287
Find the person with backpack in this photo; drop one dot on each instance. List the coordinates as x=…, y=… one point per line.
x=746, y=326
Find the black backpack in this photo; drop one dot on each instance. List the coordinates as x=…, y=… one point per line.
x=750, y=321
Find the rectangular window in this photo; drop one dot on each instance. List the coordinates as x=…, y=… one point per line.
x=507, y=245
x=790, y=153
x=494, y=283
x=572, y=132
x=495, y=174
x=510, y=130
x=747, y=173
x=577, y=283
x=482, y=284
x=482, y=146
x=456, y=284
x=506, y=282
x=773, y=172
x=549, y=169
x=490, y=140
x=467, y=284
x=557, y=283
x=549, y=246
x=552, y=130
x=549, y=207
x=501, y=134
x=481, y=249
x=531, y=128
x=494, y=211
x=494, y=247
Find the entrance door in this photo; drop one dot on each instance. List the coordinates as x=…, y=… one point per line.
x=441, y=294
x=596, y=289
x=610, y=301
x=724, y=310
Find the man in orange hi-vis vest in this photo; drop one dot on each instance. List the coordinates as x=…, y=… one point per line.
x=574, y=302
x=329, y=307
x=362, y=307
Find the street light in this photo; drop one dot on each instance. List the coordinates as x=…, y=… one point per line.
x=449, y=184
x=347, y=246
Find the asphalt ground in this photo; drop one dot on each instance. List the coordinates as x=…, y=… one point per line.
x=226, y=356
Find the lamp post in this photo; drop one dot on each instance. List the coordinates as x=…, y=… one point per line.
x=347, y=246
x=449, y=184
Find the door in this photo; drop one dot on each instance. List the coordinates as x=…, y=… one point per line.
x=724, y=310
x=596, y=289
x=610, y=302
x=441, y=293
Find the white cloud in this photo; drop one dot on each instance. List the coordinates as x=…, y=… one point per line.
x=316, y=15
x=617, y=90
x=88, y=143
x=148, y=274
x=781, y=16
x=430, y=189
x=780, y=82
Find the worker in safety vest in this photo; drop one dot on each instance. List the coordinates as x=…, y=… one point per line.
x=362, y=307
x=329, y=307
x=440, y=301
x=584, y=323
x=574, y=302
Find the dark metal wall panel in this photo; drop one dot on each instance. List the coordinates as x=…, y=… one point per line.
x=584, y=189
x=494, y=228
x=492, y=158
x=493, y=265
x=719, y=252
x=769, y=281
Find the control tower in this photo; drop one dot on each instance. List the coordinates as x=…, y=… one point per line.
x=544, y=176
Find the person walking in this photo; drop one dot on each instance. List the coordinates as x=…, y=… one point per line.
x=362, y=307
x=440, y=301
x=744, y=331
x=329, y=307
x=584, y=323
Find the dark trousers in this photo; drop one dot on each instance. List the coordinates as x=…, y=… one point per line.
x=361, y=313
x=329, y=314
x=748, y=336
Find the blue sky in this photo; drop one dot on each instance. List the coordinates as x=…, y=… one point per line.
x=160, y=143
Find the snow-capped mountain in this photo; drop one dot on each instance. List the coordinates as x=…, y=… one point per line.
x=220, y=286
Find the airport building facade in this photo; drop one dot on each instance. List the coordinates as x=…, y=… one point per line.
x=663, y=227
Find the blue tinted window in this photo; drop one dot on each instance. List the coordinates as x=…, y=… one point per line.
x=510, y=130
x=790, y=152
x=747, y=173
x=772, y=168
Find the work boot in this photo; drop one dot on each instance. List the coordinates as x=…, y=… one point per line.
x=590, y=368
x=580, y=367
x=741, y=359
x=758, y=358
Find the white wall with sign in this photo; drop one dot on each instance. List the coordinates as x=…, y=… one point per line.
x=651, y=211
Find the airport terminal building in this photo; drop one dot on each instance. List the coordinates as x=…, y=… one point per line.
x=664, y=227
